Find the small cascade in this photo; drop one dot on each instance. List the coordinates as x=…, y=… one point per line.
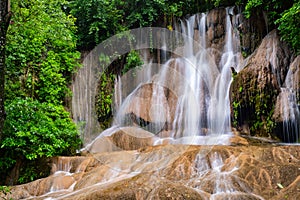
x=202, y=29
x=211, y=173
x=290, y=115
x=117, y=93
x=62, y=177
x=292, y=82
x=290, y=108
x=62, y=164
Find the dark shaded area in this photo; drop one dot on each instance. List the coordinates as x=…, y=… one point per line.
x=5, y=16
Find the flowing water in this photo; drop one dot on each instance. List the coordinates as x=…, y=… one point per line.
x=199, y=81
x=182, y=100
x=290, y=109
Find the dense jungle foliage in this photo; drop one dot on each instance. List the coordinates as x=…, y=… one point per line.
x=42, y=52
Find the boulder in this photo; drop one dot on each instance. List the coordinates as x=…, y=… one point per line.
x=256, y=87
x=151, y=106
x=121, y=138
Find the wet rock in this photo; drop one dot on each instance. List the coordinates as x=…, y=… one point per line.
x=252, y=31
x=216, y=28
x=152, y=106
x=176, y=172
x=121, y=138
x=256, y=87
x=293, y=77
x=129, y=138
x=238, y=140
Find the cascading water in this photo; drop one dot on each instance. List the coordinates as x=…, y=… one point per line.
x=184, y=100
x=290, y=114
x=203, y=106
x=290, y=108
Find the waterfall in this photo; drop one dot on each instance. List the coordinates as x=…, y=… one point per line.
x=290, y=115
x=290, y=108
x=202, y=29
x=202, y=87
x=185, y=98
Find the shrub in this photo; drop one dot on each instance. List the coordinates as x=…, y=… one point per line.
x=35, y=130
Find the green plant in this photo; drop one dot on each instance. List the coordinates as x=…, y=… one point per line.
x=133, y=60
x=283, y=15
x=104, y=98
x=35, y=130
x=41, y=55
x=236, y=106
x=289, y=26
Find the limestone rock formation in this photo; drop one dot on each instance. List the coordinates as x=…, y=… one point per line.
x=293, y=76
x=121, y=138
x=173, y=172
x=216, y=28
x=256, y=87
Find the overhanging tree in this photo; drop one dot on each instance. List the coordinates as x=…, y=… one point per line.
x=4, y=23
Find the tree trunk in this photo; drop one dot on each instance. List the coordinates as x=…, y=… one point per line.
x=13, y=176
x=5, y=15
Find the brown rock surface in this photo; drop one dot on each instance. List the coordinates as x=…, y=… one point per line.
x=175, y=172
x=256, y=87
x=121, y=138
x=152, y=104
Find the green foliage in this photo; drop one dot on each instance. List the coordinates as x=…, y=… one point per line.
x=97, y=20
x=251, y=5
x=104, y=98
x=236, y=106
x=289, y=26
x=40, y=49
x=35, y=130
x=143, y=13
x=283, y=15
x=133, y=60
x=4, y=189
x=41, y=57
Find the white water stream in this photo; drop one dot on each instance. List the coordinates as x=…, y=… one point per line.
x=200, y=83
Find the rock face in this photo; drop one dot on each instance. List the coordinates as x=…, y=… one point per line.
x=173, y=172
x=251, y=31
x=150, y=105
x=256, y=87
x=293, y=77
x=216, y=28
